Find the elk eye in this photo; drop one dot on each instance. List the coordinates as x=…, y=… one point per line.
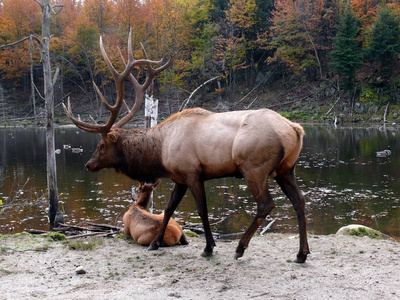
x=101, y=147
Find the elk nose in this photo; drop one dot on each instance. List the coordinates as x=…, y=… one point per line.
x=92, y=167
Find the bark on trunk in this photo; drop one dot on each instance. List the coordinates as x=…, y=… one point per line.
x=48, y=92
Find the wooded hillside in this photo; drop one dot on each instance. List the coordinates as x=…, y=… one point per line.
x=329, y=50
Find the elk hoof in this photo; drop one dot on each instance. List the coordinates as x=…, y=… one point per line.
x=153, y=246
x=301, y=258
x=206, y=253
x=239, y=251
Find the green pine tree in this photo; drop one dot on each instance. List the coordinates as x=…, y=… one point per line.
x=346, y=56
x=383, y=44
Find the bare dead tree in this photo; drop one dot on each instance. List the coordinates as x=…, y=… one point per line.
x=44, y=43
x=52, y=189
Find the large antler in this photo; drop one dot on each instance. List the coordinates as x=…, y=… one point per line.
x=119, y=78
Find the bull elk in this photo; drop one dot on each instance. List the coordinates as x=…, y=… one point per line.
x=143, y=226
x=196, y=145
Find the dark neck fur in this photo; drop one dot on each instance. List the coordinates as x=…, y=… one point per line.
x=140, y=154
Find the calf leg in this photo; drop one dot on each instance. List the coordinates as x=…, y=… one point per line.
x=199, y=194
x=183, y=240
x=177, y=194
x=287, y=182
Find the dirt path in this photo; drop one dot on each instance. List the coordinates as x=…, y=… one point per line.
x=340, y=267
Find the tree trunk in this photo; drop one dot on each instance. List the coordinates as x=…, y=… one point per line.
x=32, y=82
x=49, y=105
x=151, y=116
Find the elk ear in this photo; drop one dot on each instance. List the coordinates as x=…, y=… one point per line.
x=113, y=136
x=156, y=183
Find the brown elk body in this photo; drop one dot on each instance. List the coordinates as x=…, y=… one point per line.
x=196, y=145
x=143, y=226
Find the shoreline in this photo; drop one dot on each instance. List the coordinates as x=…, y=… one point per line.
x=339, y=267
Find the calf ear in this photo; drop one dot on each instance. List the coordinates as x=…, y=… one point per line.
x=113, y=136
x=156, y=184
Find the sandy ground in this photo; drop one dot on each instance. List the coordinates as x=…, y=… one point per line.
x=339, y=267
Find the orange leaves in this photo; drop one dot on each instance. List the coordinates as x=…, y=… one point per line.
x=101, y=13
x=301, y=29
x=19, y=18
x=365, y=12
x=242, y=13
x=14, y=63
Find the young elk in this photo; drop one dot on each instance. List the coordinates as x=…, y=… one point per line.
x=143, y=226
x=196, y=145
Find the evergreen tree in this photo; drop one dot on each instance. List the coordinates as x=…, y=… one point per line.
x=383, y=44
x=346, y=55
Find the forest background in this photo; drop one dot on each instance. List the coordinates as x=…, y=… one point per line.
x=309, y=59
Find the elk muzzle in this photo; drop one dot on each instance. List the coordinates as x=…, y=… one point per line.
x=92, y=166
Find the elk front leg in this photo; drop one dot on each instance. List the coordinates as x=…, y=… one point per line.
x=199, y=194
x=177, y=194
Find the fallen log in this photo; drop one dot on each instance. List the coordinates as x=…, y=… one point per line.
x=76, y=231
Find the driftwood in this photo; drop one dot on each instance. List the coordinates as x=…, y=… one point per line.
x=93, y=229
x=78, y=231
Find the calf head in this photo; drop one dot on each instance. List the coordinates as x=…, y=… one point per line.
x=141, y=194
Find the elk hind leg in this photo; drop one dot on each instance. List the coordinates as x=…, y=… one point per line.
x=286, y=180
x=259, y=190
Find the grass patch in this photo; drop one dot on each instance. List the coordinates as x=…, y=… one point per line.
x=121, y=236
x=169, y=268
x=295, y=114
x=190, y=233
x=361, y=232
x=85, y=245
x=5, y=271
x=56, y=236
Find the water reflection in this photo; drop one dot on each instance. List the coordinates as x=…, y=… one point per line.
x=338, y=171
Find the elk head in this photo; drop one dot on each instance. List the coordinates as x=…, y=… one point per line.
x=105, y=155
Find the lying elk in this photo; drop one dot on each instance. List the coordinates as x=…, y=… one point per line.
x=143, y=226
x=196, y=145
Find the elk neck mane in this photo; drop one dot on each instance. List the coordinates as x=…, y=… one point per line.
x=141, y=148
x=190, y=112
x=141, y=154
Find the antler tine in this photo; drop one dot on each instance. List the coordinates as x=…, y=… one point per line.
x=93, y=128
x=163, y=67
x=140, y=89
x=108, y=62
x=114, y=109
x=119, y=84
x=105, y=102
x=151, y=72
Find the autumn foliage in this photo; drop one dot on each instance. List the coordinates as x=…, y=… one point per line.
x=236, y=39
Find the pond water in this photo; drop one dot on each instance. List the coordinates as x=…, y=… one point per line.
x=338, y=171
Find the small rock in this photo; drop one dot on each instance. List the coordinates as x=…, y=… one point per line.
x=80, y=270
x=345, y=230
x=362, y=231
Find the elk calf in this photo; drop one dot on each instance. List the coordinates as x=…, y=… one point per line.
x=143, y=226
